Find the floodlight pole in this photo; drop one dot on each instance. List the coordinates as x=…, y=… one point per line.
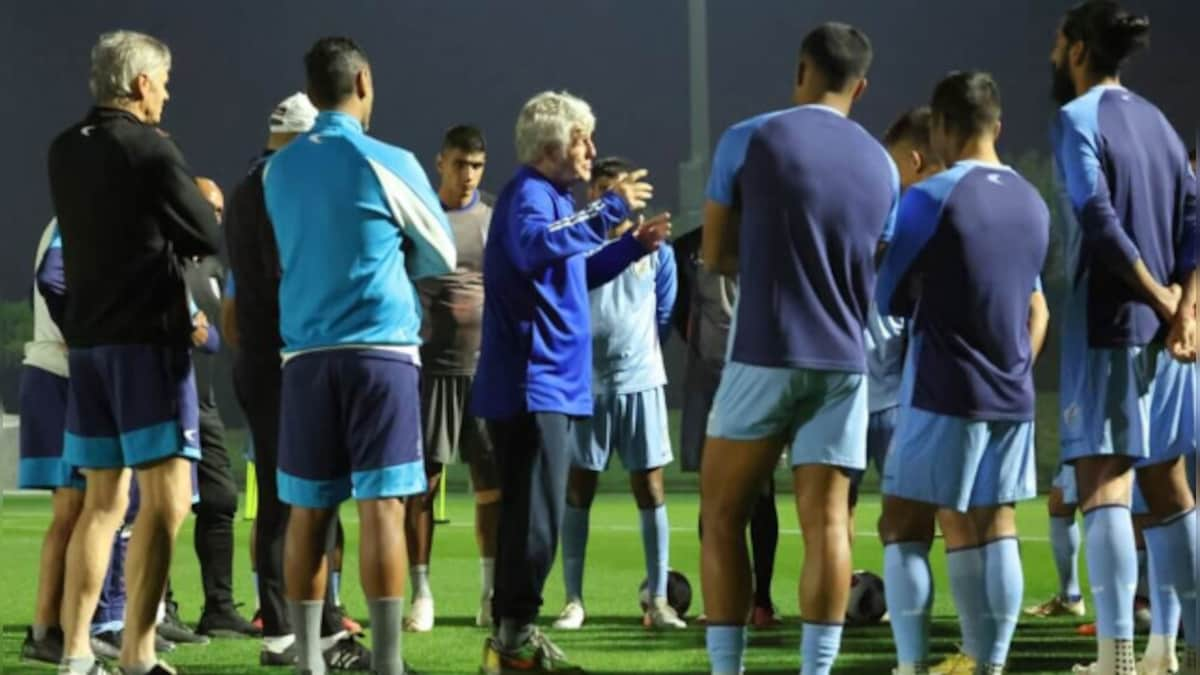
x=693, y=173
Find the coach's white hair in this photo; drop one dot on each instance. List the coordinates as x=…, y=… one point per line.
x=548, y=120
x=117, y=60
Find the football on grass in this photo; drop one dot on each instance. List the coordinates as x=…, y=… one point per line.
x=679, y=593
x=867, y=603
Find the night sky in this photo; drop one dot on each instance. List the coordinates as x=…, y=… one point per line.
x=441, y=63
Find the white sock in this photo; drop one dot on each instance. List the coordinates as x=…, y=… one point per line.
x=254, y=577
x=487, y=576
x=1115, y=656
x=161, y=615
x=912, y=669
x=278, y=645
x=420, y=581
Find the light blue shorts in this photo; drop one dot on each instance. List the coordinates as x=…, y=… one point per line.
x=634, y=425
x=821, y=413
x=1105, y=402
x=958, y=463
x=1172, y=411
x=1064, y=480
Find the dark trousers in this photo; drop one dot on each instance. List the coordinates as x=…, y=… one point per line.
x=215, y=512
x=257, y=380
x=533, y=457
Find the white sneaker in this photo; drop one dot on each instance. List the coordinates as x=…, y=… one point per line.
x=661, y=615
x=1057, y=606
x=1094, y=669
x=1158, y=666
x=420, y=616
x=483, y=618
x=571, y=618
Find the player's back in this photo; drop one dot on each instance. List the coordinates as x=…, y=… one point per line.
x=817, y=192
x=126, y=210
x=1120, y=158
x=987, y=234
x=349, y=213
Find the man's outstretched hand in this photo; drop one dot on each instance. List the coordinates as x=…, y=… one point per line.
x=652, y=233
x=633, y=189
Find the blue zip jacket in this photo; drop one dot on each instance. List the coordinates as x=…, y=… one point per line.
x=355, y=220
x=536, y=354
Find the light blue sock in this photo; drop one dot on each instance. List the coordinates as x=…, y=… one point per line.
x=1180, y=543
x=965, y=567
x=819, y=644
x=574, y=549
x=908, y=587
x=1164, y=602
x=726, y=645
x=1064, y=539
x=335, y=578
x=1005, y=587
x=1112, y=569
x=656, y=543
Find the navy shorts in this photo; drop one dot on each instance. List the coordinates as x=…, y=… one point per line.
x=131, y=405
x=43, y=418
x=350, y=426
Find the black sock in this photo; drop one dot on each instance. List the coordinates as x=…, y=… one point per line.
x=764, y=538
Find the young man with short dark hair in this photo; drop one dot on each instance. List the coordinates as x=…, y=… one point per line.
x=452, y=324
x=811, y=222
x=355, y=221
x=963, y=266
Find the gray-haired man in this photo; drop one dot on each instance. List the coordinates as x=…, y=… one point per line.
x=122, y=192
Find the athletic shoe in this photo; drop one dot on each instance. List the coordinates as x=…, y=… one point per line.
x=1164, y=666
x=108, y=644
x=1057, y=606
x=160, y=668
x=420, y=616
x=348, y=654
x=957, y=664
x=571, y=617
x=483, y=618
x=47, y=650
x=226, y=622
x=662, y=616
x=765, y=618
x=174, y=629
x=98, y=668
x=537, y=655
x=285, y=658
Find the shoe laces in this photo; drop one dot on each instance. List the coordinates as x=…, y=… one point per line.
x=548, y=649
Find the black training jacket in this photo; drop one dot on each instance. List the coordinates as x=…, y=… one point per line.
x=128, y=210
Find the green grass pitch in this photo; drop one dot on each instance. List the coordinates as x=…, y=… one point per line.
x=612, y=641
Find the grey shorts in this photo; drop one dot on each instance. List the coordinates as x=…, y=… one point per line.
x=700, y=383
x=451, y=434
